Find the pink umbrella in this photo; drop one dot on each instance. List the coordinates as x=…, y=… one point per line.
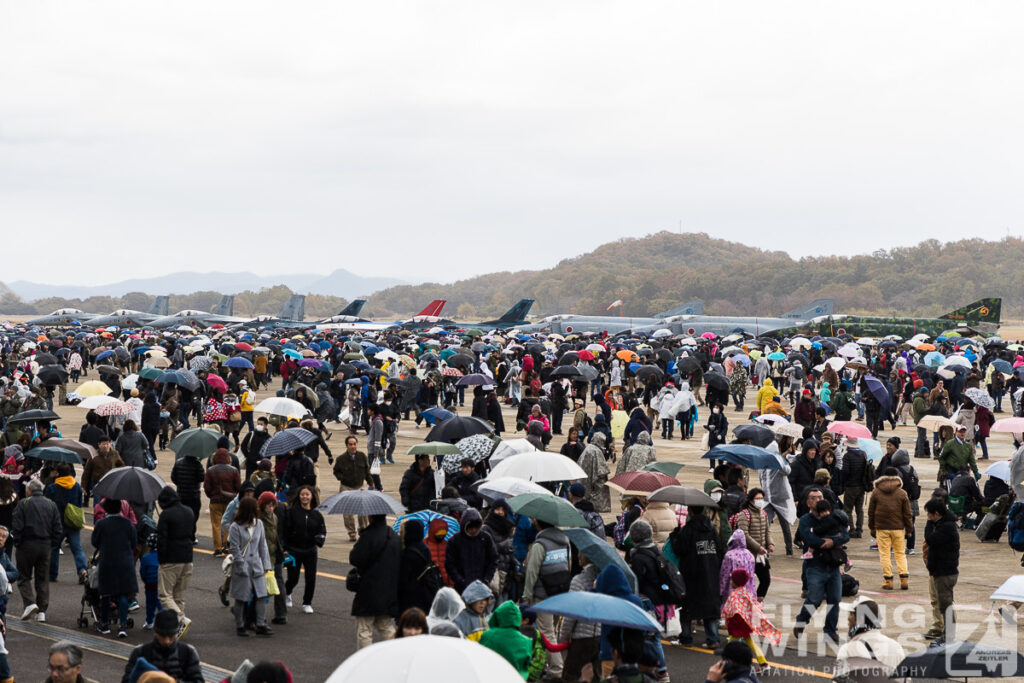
x=708, y=335
x=1012, y=425
x=850, y=429
x=242, y=346
x=217, y=383
x=114, y=408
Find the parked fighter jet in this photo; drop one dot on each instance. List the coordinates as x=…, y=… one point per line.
x=63, y=317
x=567, y=323
x=124, y=317
x=201, y=319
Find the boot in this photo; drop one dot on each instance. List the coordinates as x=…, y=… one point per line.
x=904, y=582
x=887, y=583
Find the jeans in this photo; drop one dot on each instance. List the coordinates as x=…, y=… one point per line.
x=247, y=420
x=686, y=633
x=194, y=503
x=983, y=442
x=738, y=398
x=152, y=604
x=123, y=602
x=822, y=584
x=74, y=537
x=307, y=561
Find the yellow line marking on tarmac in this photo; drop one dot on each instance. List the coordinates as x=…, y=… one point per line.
x=776, y=665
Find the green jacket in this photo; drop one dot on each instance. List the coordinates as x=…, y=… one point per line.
x=840, y=406
x=504, y=637
x=920, y=407
x=955, y=456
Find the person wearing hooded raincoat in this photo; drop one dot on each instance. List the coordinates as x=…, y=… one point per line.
x=593, y=462
x=765, y=394
x=504, y=637
x=470, y=554
x=637, y=456
x=446, y=606
x=471, y=623
x=779, y=494
x=736, y=557
x=683, y=404
x=612, y=581
x=638, y=423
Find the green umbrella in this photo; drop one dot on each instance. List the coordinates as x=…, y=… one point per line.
x=150, y=373
x=546, y=508
x=434, y=448
x=474, y=332
x=195, y=443
x=669, y=468
x=354, y=356
x=54, y=454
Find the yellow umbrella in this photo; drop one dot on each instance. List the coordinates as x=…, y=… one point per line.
x=618, y=426
x=93, y=388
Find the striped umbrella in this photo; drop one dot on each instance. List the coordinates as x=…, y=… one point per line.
x=363, y=502
x=287, y=441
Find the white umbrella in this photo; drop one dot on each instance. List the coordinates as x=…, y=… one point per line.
x=539, y=466
x=789, y=429
x=130, y=382
x=508, y=487
x=772, y=419
x=957, y=361
x=934, y=422
x=278, y=405
x=800, y=343
x=425, y=659
x=94, y=402
x=1012, y=589
x=659, y=334
x=850, y=350
x=999, y=470
x=507, y=449
x=835, y=363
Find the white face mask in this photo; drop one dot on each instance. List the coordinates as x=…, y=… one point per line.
x=259, y=428
x=716, y=497
x=717, y=411
x=761, y=504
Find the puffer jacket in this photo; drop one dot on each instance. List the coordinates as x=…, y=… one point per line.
x=754, y=524
x=889, y=507
x=662, y=519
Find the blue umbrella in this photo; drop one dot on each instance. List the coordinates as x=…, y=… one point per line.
x=354, y=381
x=934, y=359
x=872, y=449
x=105, y=354
x=435, y=415
x=743, y=360
x=879, y=392
x=745, y=455
x=777, y=355
x=238, y=362
x=600, y=552
x=598, y=608
x=1003, y=366
x=428, y=516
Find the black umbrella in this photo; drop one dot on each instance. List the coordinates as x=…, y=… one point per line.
x=566, y=371
x=287, y=441
x=476, y=378
x=687, y=365
x=798, y=358
x=647, y=371
x=460, y=360
x=568, y=358
x=45, y=359
x=134, y=484
x=34, y=416
x=52, y=375
x=455, y=428
x=588, y=373
x=663, y=354
x=716, y=381
x=108, y=369
x=758, y=435
x=962, y=659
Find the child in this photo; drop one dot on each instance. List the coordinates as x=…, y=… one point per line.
x=149, y=572
x=828, y=525
x=541, y=645
x=744, y=617
x=263, y=478
x=472, y=620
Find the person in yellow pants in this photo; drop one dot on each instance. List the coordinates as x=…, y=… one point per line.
x=890, y=519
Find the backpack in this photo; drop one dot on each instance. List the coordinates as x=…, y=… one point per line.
x=911, y=484
x=673, y=588
x=595, y=522
x=621, y=530
x=588, y=424
x=869, y=476
x=733, y=518
x=430, y=580
x=1015, y=526
x=74, y=517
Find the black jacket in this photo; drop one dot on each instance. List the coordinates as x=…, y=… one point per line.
x=251, y=446
x=188, y=475
x=36, y=520
x=466, y=489
x=943, y=541
x=801, y=474
x=854, y=465
x=300, y=528
x=299, y=471
x=173, y=529
x=469, y=558
x=91, y=434
x=697, y=546
x=415, y=558
x=150, y=418
x=377, y=555
x=417, y=489
x=179, y=660
x=643, y=562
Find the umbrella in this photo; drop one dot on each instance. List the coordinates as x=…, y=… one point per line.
x=104, y=355
x=935, y=422
x=96, y=401
x=52, y=375
x=114, y=408
x=872, y=449
x=159, y=363
x=54, y=454
x=640, y=482
x=287, y=441
x=459, y=427
x=507, y=449
x=645, y=372
x=961, y=659
x=460, y=359
x=279, y=405
x=362, y=502
x=776, y=355
x=600, y=552
x=434, y=448
x=790, y=429
x=999, y=470
x=238, y=362
x=758, y=435
x=422, y=659
x=1012, y=589
x=34, y=416
x=771, y=419
x=435, y=415
x=109, y=370
x=878, y=390
x=745, y=455
x=669, y=468
x=129, y=382
x=428, y=516
x=550, y=509
x=539, y=466
x=83, y=450
x=45, y=359
x=681, y=495
x=598, y=608
x=196, y=443
x=980, y=397
x=716, y=381
x=183, y=378
x=147, y=373
x=1002, y=366
x=1011, y=425
x=508, y=487
x=134, y=484
x=477, y=447
x=92, y=388
x=217, y=383
x=476, y=378
x=850, y=429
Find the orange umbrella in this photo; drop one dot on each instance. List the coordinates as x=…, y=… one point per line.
x=926, y=347
x=627, y=355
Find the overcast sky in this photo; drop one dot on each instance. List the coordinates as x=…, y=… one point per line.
x=446, y=139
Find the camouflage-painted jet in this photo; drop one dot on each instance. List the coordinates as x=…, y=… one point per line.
x=124, y=317
x=63, y=317
x=221, y=315
x=567, y=323
x=981, y=316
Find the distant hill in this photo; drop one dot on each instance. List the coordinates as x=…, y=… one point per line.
x=340, y=283
x=656, y=272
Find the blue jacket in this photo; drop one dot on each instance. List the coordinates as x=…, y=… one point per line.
x=808, y=537
x=638, y=422
x=149, y=567
x=612, y=581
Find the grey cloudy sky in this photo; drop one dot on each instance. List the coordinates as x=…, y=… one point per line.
x=455, y=138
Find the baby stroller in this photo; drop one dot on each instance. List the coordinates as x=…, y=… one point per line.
x=91, y=595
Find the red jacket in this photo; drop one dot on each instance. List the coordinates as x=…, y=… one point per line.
x=438, y=549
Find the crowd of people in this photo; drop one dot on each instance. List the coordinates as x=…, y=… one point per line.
x=613, y=398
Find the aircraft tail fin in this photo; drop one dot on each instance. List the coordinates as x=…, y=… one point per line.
x=434, y=308
x=689, y=308
x=980, y=311
x=226, y=305
x=354, y=307
x=814, y=309
x=517, y=312
x=161, y=306
x=295, y=309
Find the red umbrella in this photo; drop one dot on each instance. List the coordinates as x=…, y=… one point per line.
x=242, y=346
x=850, y=429
x=217, y=383
x=586, y=355
x=641, y=482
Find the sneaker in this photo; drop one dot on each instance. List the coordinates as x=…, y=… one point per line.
x=222, y=595
x=308, y=609
x=711, y=470
x=874, y=546
x=122, y=633
x=264, y=631
x=911, y=552
x=148, y=626
x=241, y=633
x=29, y=611
x=41, y=617
x=288, y=601
x=134, y=607
x=105, y=630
